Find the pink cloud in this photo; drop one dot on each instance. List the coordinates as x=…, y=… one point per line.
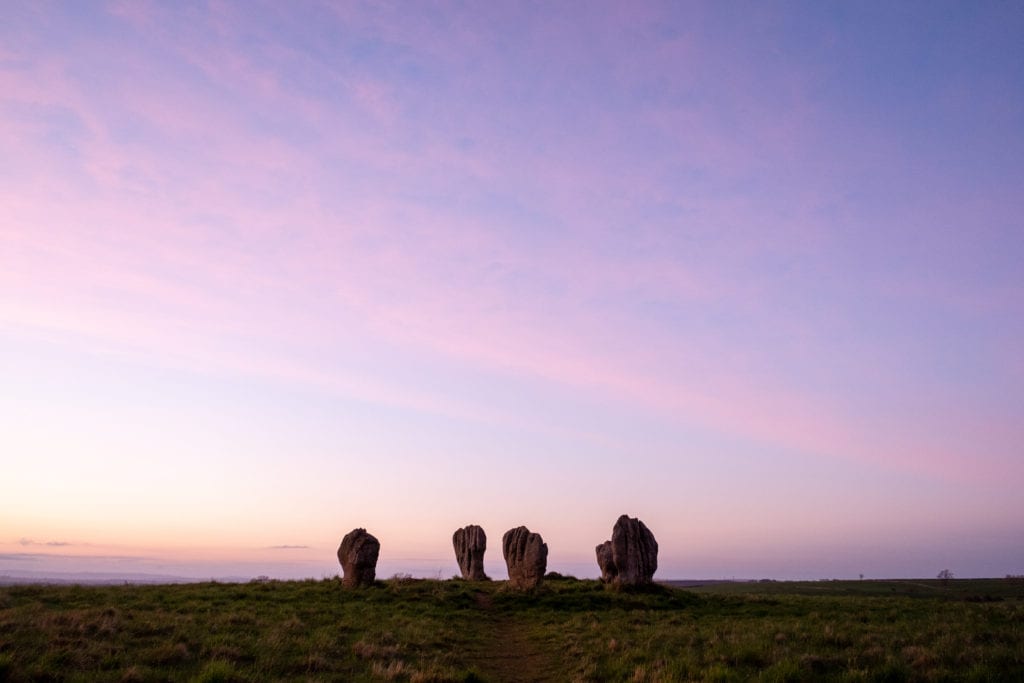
x=130, y=262
x=484, y=327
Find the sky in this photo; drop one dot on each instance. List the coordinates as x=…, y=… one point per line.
x=751, y=272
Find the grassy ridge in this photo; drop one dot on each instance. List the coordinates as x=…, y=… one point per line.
x=460, y=631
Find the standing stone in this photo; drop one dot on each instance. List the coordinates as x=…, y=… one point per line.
x=470, y=543
x=358, y=557
x=526, y=555
x=605, y=562
x=633, y=551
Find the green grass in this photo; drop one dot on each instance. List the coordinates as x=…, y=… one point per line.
x=462, y=631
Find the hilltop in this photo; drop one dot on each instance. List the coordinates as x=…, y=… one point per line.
x=426, y=630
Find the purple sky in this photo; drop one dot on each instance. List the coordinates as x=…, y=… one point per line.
x=751, y=272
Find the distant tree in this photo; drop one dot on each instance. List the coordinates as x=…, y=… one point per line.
x=944, y=576
x=861, y=577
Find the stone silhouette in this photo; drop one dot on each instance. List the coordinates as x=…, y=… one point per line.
x=358, y=557
x=470, y=542
x=526, y=555
x=605, y=562
x=631, y=557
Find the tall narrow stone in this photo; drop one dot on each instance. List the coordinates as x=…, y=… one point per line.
x=526, y=555
x=470, y=542
x=358, y=554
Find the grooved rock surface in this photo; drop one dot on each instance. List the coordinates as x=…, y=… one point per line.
x=605, y=561
x=526, y=555
x=358, y=557
x=634, y=554
x=470, y=542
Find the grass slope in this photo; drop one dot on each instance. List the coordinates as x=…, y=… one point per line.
x=411, y=630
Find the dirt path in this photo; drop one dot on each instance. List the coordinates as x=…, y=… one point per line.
x=508, y=655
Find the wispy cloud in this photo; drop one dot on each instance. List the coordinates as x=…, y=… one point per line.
x=576, y=305
x=52, y=544
x=706, y=220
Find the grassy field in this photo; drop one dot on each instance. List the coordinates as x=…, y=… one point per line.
x=412, y=630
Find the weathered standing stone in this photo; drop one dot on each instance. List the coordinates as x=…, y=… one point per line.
x=470, y=543
x=526, y=555
x=605, y=562
x=633, y=554
x=358, y=557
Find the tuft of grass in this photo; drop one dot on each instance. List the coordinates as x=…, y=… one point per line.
x=219, y=671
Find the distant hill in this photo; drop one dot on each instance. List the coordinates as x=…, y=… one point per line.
x=102, y=578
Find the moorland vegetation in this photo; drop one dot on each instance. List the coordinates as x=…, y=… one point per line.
x=405, y=629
